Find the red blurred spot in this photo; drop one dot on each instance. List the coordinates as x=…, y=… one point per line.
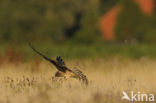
x=147, y=6
x=108, y=22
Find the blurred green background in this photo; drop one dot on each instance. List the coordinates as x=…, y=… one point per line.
x=71, y=28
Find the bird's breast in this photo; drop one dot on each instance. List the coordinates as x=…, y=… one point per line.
x=69, y=74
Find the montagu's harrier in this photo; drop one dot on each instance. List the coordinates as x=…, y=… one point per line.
x=63, y=70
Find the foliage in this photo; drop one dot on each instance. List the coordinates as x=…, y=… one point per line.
x=59, y=20
x=37, y=19
x=68, y=25
x=133, y=25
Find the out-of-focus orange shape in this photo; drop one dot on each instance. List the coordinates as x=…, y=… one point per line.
x=108, y=21
x=147, y=6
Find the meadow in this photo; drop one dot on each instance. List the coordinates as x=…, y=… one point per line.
x=31, y=81
x=111, y=41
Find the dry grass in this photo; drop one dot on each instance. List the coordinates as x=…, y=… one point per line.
x=32, y=82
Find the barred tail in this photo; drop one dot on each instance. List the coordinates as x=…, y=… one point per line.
x=81, y=76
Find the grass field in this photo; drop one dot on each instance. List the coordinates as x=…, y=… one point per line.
x=31, y=82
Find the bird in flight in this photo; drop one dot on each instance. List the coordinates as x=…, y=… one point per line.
x=63, y=70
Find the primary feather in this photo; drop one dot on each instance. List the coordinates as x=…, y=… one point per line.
x=60, y=60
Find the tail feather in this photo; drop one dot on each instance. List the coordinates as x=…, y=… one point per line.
x=81, y=76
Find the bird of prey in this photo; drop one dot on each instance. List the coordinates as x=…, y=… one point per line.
x=63, y=70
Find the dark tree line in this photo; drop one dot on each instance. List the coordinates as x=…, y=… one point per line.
x=65, y=20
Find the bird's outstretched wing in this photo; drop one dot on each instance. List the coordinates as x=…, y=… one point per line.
x=52, y=61
x=59, y=63
x=60, y=60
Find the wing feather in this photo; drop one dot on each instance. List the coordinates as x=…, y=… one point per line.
x=60, y=60
x=58, y=65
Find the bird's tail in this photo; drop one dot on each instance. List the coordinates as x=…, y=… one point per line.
x=81, y=76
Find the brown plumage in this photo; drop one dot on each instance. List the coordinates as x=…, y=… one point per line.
x=63, y=70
